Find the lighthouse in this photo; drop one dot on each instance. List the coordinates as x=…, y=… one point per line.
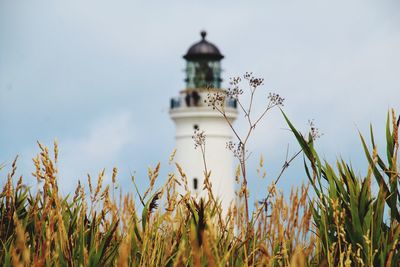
x=191, y=112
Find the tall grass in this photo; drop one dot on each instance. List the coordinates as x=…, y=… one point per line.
x=94, y=229
x=345, y=225
x=351, y=224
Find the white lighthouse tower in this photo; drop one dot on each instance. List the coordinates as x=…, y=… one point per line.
x=190, y=112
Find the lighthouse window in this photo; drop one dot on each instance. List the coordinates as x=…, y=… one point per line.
x=195, y=183
x=196, y=127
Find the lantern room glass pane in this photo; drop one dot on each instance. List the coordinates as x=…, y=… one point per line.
x=201, y=74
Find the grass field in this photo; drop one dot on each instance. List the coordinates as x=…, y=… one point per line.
x=346, y=225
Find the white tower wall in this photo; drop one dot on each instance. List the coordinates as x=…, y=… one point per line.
x=219, y=159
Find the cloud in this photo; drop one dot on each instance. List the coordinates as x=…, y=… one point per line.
x=336, y=63
x=101, y=146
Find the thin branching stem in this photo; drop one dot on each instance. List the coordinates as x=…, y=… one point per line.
x=217, y=102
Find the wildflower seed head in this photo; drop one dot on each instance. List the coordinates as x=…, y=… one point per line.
x=253, y=81
x=314, y=131
x=275, y=99
x=237, y=149
x=215, y=100
x=234, y=91
x=234, y=81
x=247, y=75
x=199, y=138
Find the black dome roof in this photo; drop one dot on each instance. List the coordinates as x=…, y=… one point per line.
x=203, y=50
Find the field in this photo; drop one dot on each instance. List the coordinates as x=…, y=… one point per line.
x=346, y=225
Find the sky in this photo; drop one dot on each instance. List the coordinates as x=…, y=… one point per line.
x=98, y=75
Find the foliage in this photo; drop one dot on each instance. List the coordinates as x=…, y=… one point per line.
x=350, y=219
x=44, y=228
x=345, y=224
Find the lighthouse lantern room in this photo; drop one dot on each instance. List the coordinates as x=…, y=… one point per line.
x=191, y=112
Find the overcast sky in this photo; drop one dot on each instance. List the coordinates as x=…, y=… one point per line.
x=98, y=75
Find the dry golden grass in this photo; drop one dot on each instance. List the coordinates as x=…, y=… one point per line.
x=45, y=228
x=344, y=225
